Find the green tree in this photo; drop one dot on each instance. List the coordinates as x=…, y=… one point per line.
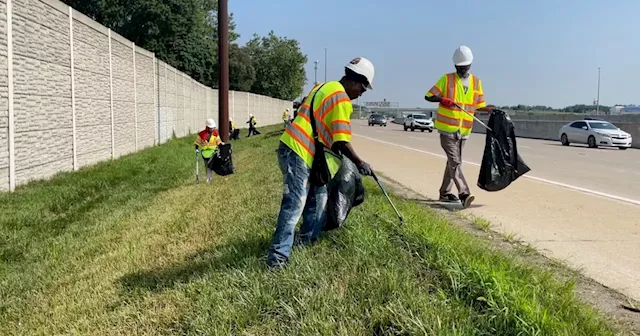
x=242, y=74
x=182, y=33
x=279, y=66
x=582, y=108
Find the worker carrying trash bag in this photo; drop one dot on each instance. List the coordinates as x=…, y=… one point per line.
x=234, y=133
x=323, y=119
x=454, y=125
x=207, y=143
x=252, y=126
x=501, y=163
x=221, y=162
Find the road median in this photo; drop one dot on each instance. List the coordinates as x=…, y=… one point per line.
x=134, y=246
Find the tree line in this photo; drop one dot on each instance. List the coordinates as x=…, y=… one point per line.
x=184, y=34
x=579, y=108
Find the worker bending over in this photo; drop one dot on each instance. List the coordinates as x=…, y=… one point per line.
x=207, y=143
x=332, y=112
x=454, y=125
x=252, y=126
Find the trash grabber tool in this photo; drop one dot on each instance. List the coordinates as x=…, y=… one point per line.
x=474, y=117
x=388, y=198
x=197, y=169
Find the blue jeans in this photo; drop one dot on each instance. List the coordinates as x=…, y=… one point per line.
x=299, y=198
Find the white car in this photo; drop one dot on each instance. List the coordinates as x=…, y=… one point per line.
x=418, y=121
x=594, y=132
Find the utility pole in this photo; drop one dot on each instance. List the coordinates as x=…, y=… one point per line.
x=315, y=76
x=598, y=99
x=325, y=65
x=223, y=73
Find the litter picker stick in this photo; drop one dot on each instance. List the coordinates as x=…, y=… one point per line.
x=197, y=169
x=388, y=198
x=474, y=117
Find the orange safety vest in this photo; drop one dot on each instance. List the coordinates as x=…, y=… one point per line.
x=452, y=120
x=332, y=112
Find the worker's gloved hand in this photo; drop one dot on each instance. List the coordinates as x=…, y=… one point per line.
x=446, y=102
x=365, y=169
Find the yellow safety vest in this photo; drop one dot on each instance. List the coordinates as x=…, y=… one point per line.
x=452, y=120
x=207, y=148
x=285, y=115
x=332, y=112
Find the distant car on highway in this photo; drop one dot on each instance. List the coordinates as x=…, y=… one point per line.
x=594, y=132
x=377, y=119
x=418, y=121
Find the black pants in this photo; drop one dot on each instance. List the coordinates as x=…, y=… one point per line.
x=252, y=131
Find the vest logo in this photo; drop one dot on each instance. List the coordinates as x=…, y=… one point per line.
x=355, y=60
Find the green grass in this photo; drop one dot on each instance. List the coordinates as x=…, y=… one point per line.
x=134, y=247
x=482, y=224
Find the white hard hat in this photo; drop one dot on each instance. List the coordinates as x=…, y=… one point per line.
x=462, y=56
x=230, y=119
x=287, y=109
x=211, y=123
x=364, y=67
x=250, y=115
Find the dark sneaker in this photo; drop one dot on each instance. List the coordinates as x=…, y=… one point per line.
x=276, y=265
x=449, y=198
x=466, y=200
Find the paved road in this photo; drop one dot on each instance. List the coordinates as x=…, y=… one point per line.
x=577, y=204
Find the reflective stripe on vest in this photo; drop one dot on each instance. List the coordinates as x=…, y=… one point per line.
x=299, y=136
x=451, y=120
x=209, y=147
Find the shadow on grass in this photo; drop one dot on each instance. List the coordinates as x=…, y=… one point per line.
x=238, y=254
x=45, y=209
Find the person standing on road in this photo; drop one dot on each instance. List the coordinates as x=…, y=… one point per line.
x=332, y=113
x=454, y=125
x=207, y=143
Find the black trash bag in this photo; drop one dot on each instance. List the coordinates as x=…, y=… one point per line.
x=221, y=162
x=345, y=191
x=501, y=163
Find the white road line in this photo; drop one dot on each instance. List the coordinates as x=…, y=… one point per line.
x=539, y=179
x=417, y=138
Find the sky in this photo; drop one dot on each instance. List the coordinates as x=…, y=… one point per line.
x=540, y=52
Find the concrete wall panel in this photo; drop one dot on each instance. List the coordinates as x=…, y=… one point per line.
x=158, y=103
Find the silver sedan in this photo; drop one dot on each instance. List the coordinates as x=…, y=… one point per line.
x=594, y=133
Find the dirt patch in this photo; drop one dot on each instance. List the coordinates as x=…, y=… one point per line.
x=623, y=311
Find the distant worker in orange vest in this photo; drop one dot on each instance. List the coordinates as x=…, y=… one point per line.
x=332, y=108
x=454, y=125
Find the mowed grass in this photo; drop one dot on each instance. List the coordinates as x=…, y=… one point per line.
x=135, y=247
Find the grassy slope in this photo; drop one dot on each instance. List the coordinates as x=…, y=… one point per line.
x=96, y=253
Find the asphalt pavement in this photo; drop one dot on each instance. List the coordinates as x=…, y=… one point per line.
x=577, y=204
